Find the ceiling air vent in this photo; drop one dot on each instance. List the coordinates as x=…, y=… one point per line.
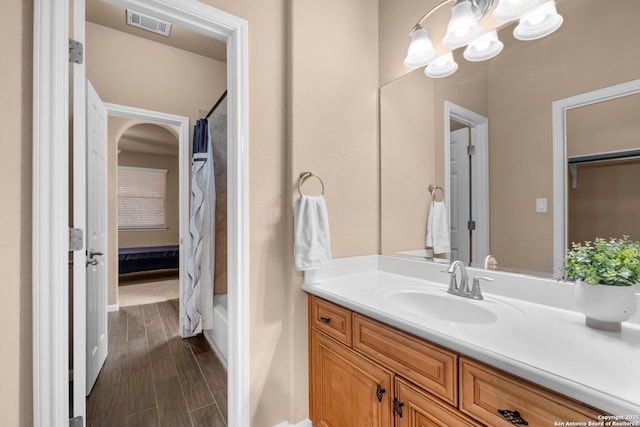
x=148, y=23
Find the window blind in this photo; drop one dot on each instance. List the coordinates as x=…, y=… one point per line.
x=141, y=197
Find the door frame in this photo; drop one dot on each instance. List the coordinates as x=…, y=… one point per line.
x=50, y=240
x=181, y=125
x=479, y=130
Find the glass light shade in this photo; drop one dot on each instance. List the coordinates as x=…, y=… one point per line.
x=463, y=26
x=508, y=10
x=442, y=66
x=538, y=23
x=421, y=50
x=484, y=47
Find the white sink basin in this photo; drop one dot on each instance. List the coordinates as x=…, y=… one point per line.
x=436, y=303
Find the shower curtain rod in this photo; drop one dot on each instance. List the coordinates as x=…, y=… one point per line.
x=224, y=95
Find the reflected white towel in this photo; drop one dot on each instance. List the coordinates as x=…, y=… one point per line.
x=311, y=240
x=438, y=229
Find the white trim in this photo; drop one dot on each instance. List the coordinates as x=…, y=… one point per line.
x=559, y=111
x=139, y=169
x=208, y=336
x=79, y=91
x=144, y=228
x=50, y=197
x=479, y=126
x=113, y=307
x=50, y=213
x=305, y=423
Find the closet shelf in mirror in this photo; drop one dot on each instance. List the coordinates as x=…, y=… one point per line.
x=611, y=156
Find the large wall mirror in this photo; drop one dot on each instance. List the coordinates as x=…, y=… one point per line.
x=594, y=49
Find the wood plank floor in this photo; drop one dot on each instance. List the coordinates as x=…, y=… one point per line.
x=152, y=377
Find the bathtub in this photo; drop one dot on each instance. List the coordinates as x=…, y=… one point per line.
x=217, y=336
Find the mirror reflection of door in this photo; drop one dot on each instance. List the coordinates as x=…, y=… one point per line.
x=460, y=188
x=603, y=196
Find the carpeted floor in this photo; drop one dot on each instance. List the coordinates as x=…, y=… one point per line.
x=147, y=293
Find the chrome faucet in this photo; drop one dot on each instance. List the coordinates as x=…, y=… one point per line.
x=454, y=288
x=463, y=289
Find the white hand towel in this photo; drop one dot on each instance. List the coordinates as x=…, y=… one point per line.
x=311, y=240
x=438, y=228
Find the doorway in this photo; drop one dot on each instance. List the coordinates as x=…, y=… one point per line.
x=466, y=151
x=51, y=197
x=169, y=237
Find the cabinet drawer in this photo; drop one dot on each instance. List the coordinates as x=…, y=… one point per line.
x=415, y=407
x=428, y=366
x=331, y=319
x=486, y=392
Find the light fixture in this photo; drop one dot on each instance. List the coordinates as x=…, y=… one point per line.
x=484, y=47
x=538, y=23
x=538, y=18
x=421, y=50
x=463, y=26
x=508, y=10
x=442, y=66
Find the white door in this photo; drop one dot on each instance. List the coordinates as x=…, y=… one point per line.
x=459, y=193
x=96, y=325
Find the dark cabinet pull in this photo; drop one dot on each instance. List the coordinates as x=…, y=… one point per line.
x=513, y=417
x=379, y=392
x=397, y=406
x=326, y=320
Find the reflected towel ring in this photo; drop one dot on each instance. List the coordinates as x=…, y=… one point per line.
x=304, y=176
x=433, y=189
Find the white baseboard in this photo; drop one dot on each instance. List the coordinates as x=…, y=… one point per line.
x=214, y=347
x=305, y=423
x=113, y=307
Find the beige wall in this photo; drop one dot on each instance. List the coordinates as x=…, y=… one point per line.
x=331, y=86
x=407, y=161
x=170, y=236
x=15, y=216
x=136, y=72
x=329, y=126
x=519, y=86
x=606, y=201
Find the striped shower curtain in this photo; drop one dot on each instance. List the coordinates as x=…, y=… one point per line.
x=198, y=294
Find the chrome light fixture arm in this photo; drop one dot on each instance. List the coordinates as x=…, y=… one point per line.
x=478, y=7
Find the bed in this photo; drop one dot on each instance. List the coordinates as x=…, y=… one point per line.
x=147, y=258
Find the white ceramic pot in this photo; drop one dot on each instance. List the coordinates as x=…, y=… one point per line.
x=604, y=306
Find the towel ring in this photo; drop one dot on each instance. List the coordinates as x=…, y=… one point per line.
x=304, y=176
x=433, y=189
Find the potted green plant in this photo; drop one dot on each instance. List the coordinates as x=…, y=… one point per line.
x=605, y=272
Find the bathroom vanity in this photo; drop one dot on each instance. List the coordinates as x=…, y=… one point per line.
x=390, y=347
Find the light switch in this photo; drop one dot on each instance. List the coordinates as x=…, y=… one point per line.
x=541, y=205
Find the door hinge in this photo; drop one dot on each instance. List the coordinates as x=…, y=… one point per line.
x=471, y=225
x=76, y=239
x=471, y=150
x=75, y=422
x=76, y=52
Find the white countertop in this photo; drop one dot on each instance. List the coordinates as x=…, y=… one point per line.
x=537, y=334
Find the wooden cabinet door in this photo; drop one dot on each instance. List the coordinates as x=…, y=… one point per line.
x=417, y=408
x=346, y=390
